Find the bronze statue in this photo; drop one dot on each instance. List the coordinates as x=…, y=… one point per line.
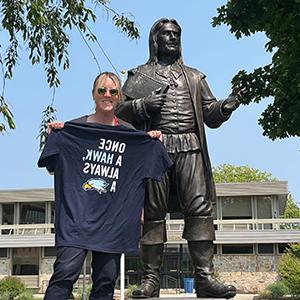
x=166, y=95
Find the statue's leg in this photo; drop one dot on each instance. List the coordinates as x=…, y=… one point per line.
x=152, y=256
x=199, y=228
x=206, y=286
x=154, y=236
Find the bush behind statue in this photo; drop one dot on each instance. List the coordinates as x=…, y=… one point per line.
x=289, y=269
x=275, y=290
x=13, y=288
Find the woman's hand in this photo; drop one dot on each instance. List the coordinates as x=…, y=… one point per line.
x=55, y=125
x=156, y=134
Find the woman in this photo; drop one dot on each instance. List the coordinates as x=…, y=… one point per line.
x=87, y=214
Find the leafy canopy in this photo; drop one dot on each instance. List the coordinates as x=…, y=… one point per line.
x=280, y=21
x=229, y=173
x=42, y=26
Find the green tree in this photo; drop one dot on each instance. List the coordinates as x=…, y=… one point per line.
x=280, y=21
x=289, y=269
x=291, y=209
x=42, y=27
x=229, y=173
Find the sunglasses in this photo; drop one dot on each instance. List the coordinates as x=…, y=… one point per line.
x=102, y=90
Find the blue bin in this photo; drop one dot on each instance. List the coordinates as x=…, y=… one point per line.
x=188, y=285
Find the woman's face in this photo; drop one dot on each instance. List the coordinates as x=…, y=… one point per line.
x=106, y=95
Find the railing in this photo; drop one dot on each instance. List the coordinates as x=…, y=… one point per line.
x=167, y=279
x=246, y=224
x=27, y=229
x=172, y=226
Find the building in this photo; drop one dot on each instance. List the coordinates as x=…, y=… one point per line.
x=250, y=237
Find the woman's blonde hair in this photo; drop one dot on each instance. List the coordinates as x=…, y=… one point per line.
x=102, y=76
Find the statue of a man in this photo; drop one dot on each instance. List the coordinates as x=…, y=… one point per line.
x=166, y=95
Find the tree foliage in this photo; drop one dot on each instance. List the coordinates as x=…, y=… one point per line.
x=291, y=209
x=11, y=287
x=41, y=27
x=289, y=269
x=280, y=21
x=229, y=173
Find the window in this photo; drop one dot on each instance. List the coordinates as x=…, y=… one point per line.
x=172, y=248
x=237, y=249
x=265, y=248
x=7, y=214
x=236, y=208
x=186, y=262
x=3, y=252
x=50, y=251
x=25, y=261
x=7, y=217
x=52, y=212
x=32, y=213
x=132, y=264
x=264, y=207
x=282, y=248
x=176, y=216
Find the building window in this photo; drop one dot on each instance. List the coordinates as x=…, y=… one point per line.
x=282, y=248
x=176, y=216
x=4, y=252
x=236, y=208
x=50, y=251
x=7, y=217
x=186, y=262
x=237, y=249
x=7, y=214
x=265, y=248
x=264, y=207
x=132, y=264
x=52, y=212
x=32, y=213
x=25, y=261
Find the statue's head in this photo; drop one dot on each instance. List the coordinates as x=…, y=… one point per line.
x=165, y=37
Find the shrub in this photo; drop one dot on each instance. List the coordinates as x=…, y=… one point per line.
x=25, y=296
x=78, y=295
x=11, y=287
x=289, y=269
x=130, y=289
x=265, y=294
x=278, y=289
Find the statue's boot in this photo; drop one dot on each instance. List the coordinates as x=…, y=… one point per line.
x=205, y=285
x=152, y=256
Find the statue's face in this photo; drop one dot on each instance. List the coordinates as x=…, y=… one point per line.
x=168, y=39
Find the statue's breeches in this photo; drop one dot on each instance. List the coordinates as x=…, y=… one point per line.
x=183, y=185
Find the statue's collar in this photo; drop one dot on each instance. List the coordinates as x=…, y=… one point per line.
x=165, y=71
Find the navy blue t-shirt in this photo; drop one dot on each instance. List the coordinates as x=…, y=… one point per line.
x=100, y=174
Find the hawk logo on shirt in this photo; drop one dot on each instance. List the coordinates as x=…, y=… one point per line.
x=96, y=184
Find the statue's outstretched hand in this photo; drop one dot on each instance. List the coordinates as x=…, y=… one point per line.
x=155, y=100
x=233, y=101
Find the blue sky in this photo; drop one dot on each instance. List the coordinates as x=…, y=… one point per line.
x=214, y=51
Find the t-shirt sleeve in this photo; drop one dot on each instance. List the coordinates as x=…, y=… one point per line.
x=158, y=161
x=50, y=152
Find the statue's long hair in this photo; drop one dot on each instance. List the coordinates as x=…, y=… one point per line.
x=153, y=47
